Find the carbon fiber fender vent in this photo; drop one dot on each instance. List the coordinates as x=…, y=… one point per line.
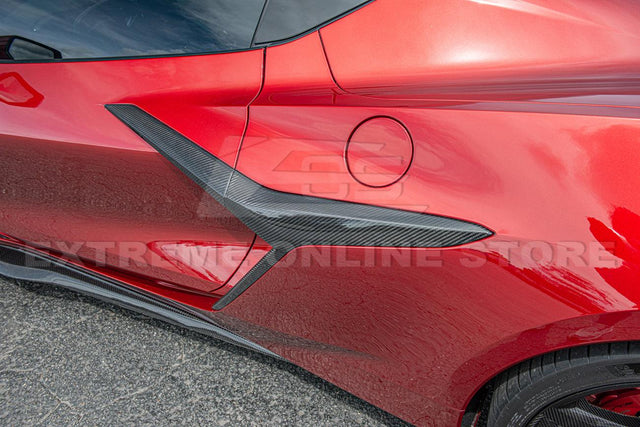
x=287, y=221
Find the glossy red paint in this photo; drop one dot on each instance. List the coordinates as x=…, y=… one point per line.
x=524, y=118
x=79, y=183
x=379, y=152
x=259, y=249
x=14, y=90
x=507, y=154
x=486, y=49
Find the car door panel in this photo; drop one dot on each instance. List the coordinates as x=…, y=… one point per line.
x=78, y=182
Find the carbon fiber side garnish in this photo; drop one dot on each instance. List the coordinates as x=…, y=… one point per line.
x=287, y=221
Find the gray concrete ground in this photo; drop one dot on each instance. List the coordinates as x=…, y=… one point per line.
x=67, y=359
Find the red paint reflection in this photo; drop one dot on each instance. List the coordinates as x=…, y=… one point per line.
x=14, y=90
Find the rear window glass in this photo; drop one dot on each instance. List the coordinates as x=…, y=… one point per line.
x=284, y=19
x=76, y=29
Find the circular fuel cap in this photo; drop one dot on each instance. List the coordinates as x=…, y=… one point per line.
x=379, y=152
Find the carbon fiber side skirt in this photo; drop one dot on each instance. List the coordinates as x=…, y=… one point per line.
x=23, y=264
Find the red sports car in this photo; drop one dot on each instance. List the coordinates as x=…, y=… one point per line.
x=434, y=204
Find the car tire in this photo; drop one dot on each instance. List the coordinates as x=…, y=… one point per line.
x=554, y=389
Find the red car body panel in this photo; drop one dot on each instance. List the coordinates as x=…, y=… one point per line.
x=84, y=185
x=484, y=49
x=524, y=118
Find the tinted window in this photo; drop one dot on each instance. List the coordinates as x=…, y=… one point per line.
x=123, y=28
x=284, y=19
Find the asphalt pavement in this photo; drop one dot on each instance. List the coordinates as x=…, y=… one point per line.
x=68, y=359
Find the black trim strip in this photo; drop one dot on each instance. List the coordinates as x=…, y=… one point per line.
x=287, y=221
x=269, y=260
x=33, y=266
x=255, y=31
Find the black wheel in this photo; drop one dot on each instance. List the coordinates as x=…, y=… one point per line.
x=591, y=386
